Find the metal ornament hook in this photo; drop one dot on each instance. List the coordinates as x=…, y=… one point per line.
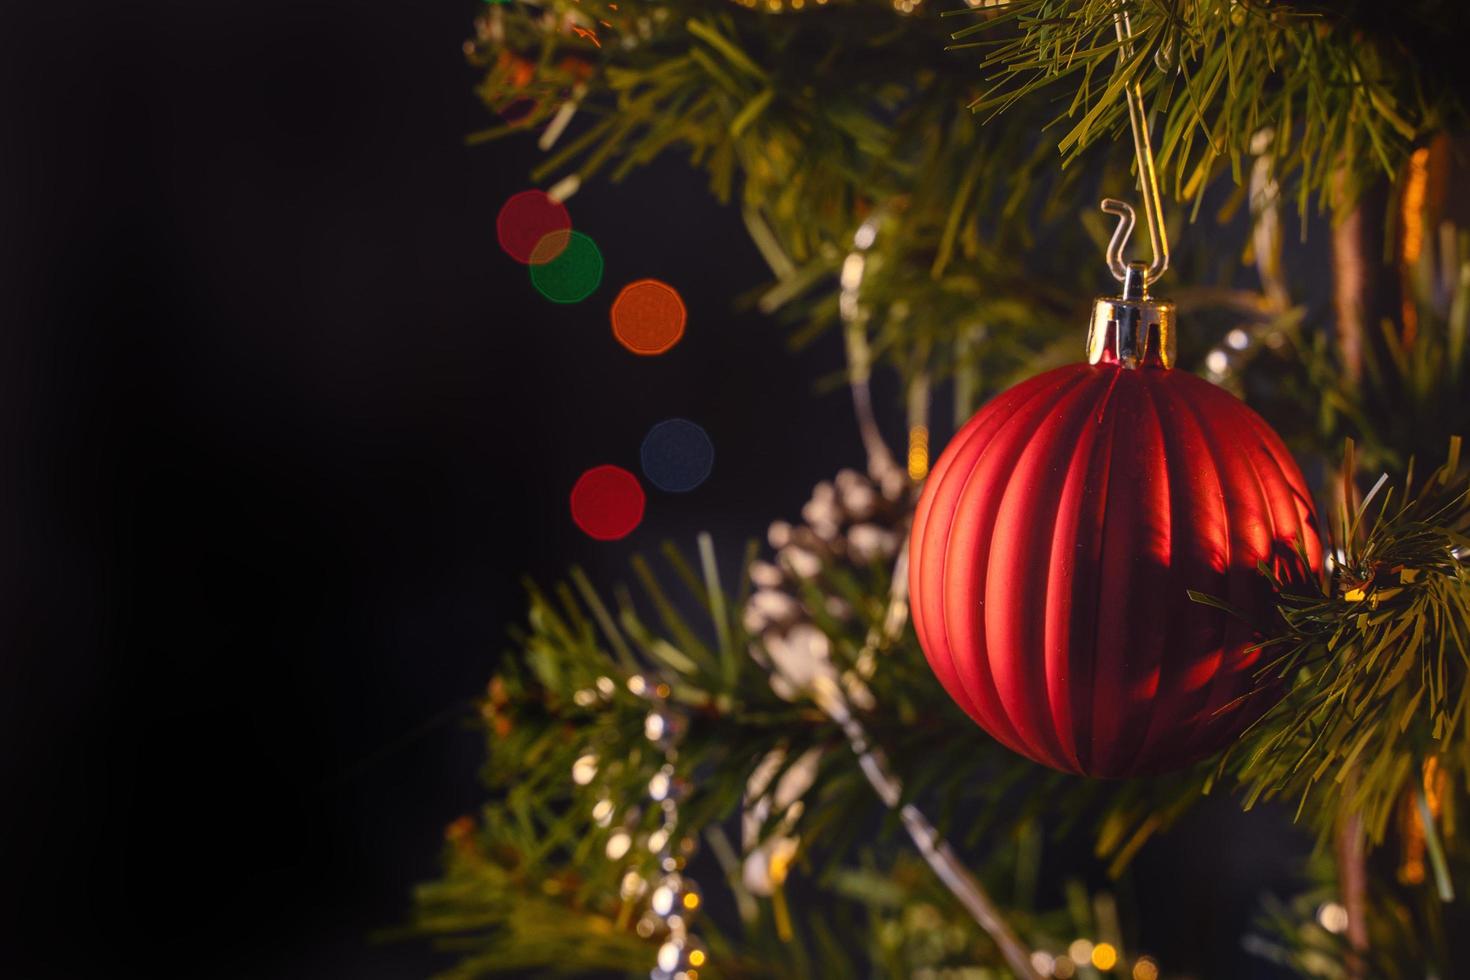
x=1148, y=179
x=1118, y=244
x=1134, y=329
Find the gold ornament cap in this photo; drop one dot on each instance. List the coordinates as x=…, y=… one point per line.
x=1134, y=328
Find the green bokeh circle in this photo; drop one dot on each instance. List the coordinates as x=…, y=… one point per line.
x=573, y=275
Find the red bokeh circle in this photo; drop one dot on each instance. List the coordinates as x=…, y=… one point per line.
x=607, y=503
x=533, y=228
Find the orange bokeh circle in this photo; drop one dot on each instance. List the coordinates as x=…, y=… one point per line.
x=648, y=317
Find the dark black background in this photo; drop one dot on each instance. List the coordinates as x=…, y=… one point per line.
x=282, y=431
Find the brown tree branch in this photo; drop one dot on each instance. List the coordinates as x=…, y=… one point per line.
x=1352, y=885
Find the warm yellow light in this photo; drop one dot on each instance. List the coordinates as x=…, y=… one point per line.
x=668, y=957
x=1411, y=218
x=696, y=957
x=1145, y=969
x=691, y=901
x=617, y=845
x=779, y=864
x=1433, y=783
x=1104, y=956
x=584, y=770
x=918, y=450
x=1333, y=917
x=1416, y=182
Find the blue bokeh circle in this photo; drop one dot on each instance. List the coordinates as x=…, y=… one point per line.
x=677, y=455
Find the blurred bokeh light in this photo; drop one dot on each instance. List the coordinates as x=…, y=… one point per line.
x=607, y=503
x=677, y=455
x=573, y=275
x=648, y=317
x=533, y=228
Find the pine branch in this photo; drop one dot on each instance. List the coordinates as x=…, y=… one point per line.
x=1335, y=82
x=936, y=851
x=555, y=871
x=1377, y=667
x=813, y=122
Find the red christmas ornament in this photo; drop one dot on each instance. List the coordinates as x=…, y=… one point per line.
x=1060, y=532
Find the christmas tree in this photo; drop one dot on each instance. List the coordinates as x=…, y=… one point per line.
x=764, y=777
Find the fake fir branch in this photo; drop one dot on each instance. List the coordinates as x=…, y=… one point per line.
x=813, y=122
x=814, y=117
x=1376, y=669
x=602, y=716
x=1347, y=88
x=1376, y=664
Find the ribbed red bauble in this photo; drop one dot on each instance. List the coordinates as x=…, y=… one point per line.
x=1060, y=532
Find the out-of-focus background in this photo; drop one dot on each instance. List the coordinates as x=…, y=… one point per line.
x=283, y=430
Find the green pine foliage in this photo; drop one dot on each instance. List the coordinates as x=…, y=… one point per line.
x=811, y=122
x=1376, y=668
x=1343, y=85
x=1376, y=662
x=531, y=881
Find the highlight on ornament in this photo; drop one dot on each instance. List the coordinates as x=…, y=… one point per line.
x=677, y=455
x=648, y=317
x=573, y=275
x=533, y=227
x=607, y=504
